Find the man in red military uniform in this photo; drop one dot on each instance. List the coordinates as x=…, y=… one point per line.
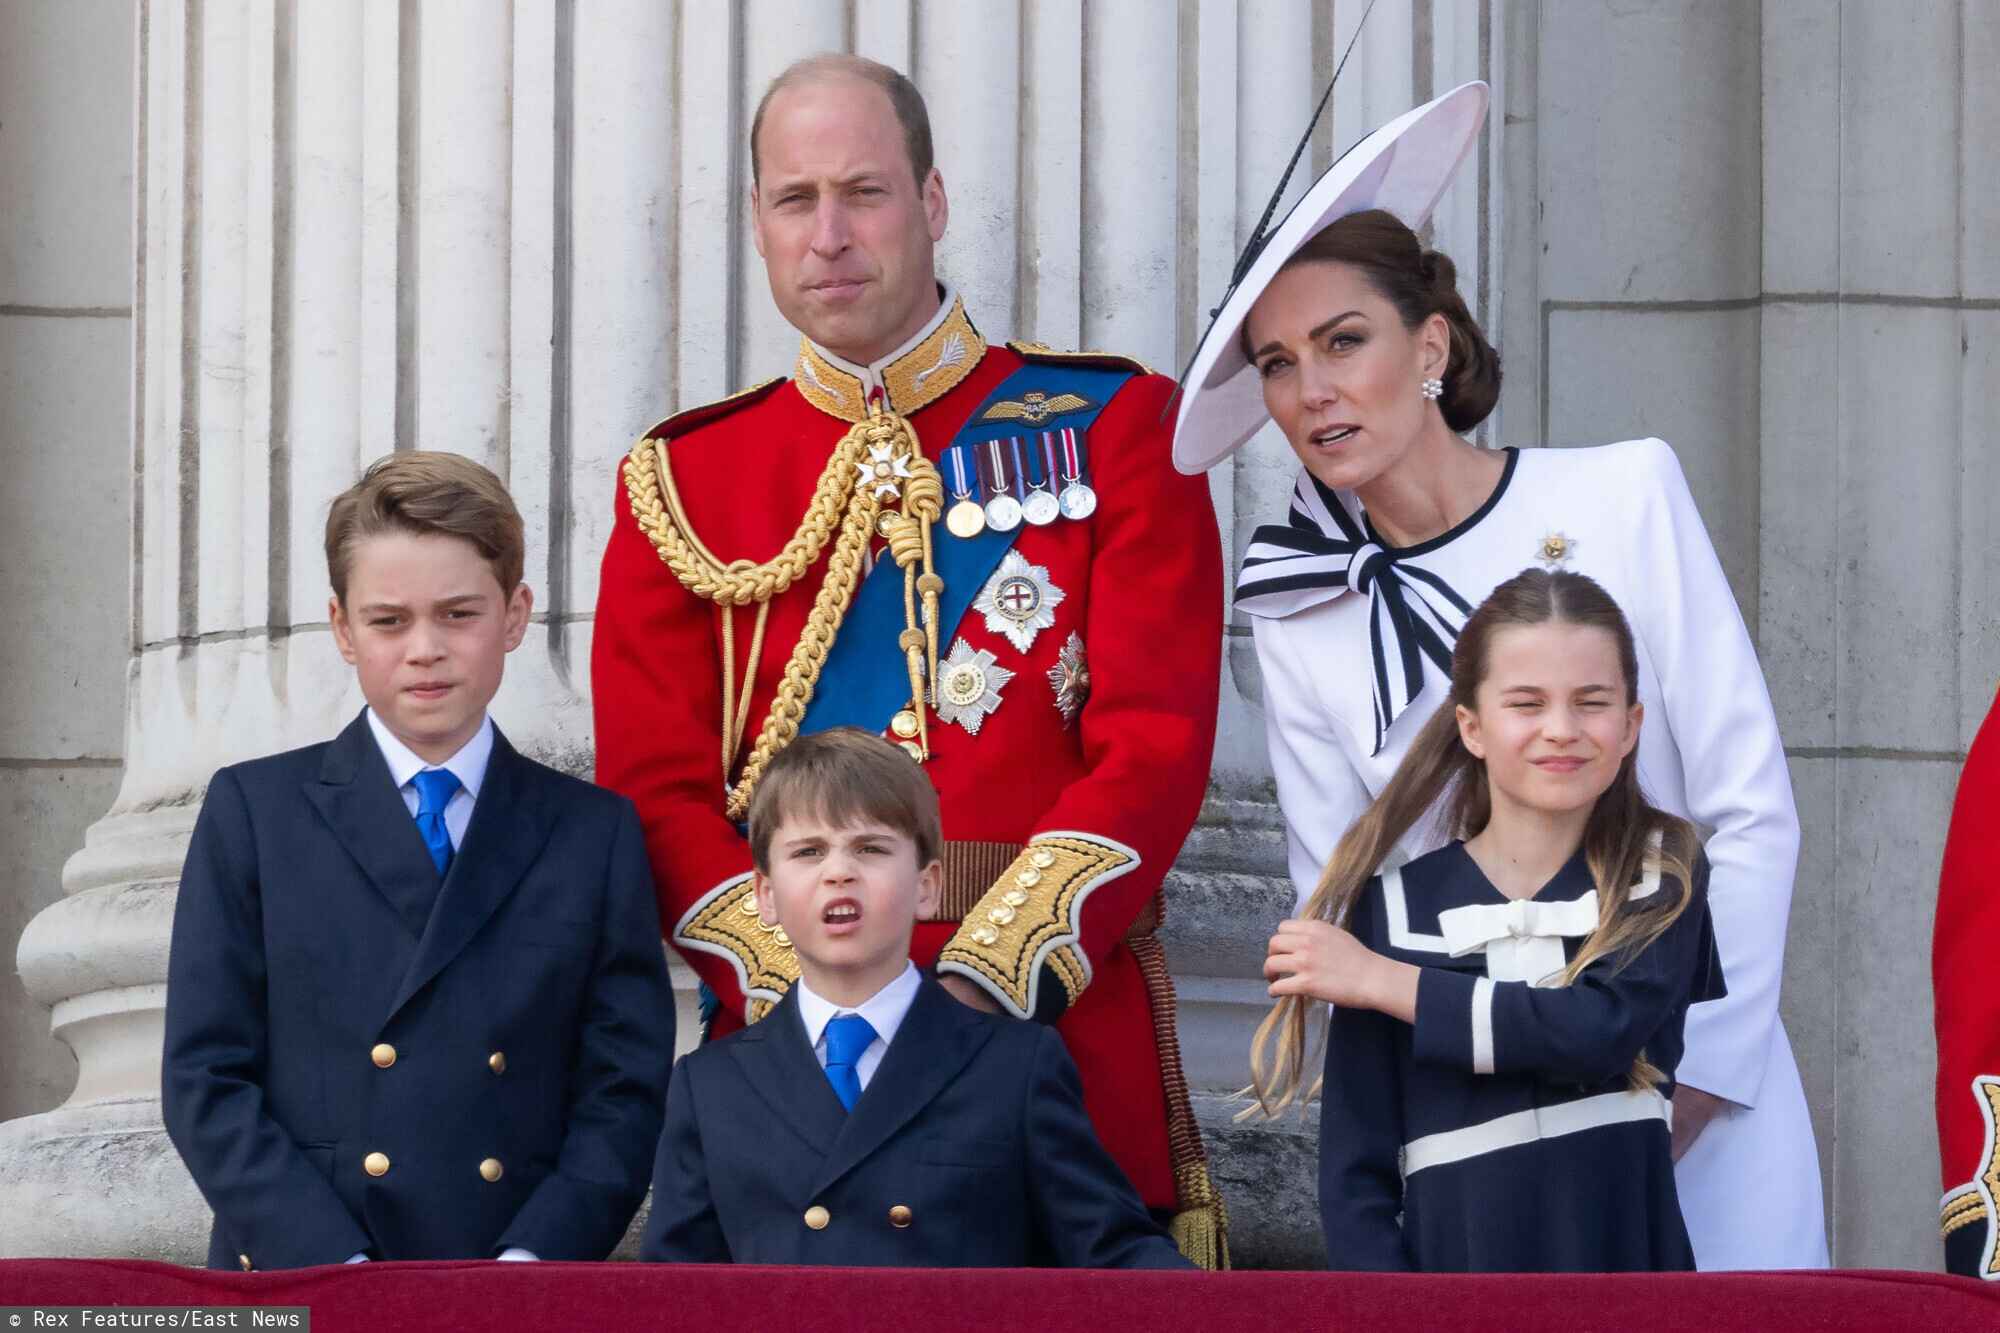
x=1968, y=1014
x=980, y=551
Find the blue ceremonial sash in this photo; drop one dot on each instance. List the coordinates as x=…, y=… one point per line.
x=866, y=678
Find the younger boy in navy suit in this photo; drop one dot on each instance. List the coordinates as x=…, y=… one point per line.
x=870, y=1118
x=417, y=1006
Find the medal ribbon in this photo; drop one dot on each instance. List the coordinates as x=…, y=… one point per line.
x=1020, y=471
x=1072, y=455
x=958, y=487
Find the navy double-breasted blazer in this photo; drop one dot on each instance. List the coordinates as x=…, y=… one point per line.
x=347, y=1069
x=969, y=1148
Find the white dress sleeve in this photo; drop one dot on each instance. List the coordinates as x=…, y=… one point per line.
x=1733, y=761
x=1320, y=793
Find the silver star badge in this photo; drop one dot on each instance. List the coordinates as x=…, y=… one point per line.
x=1070, y=678
x=1019, y=601
x=969, y=685
x=883, y=471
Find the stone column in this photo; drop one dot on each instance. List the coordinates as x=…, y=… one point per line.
x=516, y=229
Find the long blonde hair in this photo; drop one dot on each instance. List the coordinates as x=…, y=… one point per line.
x=1440, y=774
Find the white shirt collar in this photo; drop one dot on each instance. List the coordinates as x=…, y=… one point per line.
x=884, y=1010
x=870, y=375
x=468, y=765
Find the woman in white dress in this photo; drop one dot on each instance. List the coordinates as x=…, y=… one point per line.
x=1353, y=338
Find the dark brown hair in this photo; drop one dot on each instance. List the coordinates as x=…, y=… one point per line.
x=846, y=776
x=427, y=494
x=904, y=99
x=1624, y=836
x=1419, y=283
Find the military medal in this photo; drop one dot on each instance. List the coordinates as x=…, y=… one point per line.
x=965, y=517
x=1078, y=500
x=969, y=684
x=1070, y=678
x=1003, y=511
x=1019, y=601
x=1041, y=507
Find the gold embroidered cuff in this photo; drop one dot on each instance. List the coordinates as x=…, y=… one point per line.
x=1961, y=1210
x=725, y=923
x=1030, y=918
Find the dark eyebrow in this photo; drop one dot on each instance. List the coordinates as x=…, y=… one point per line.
x=1317, y=331
x=1593, y=689
x=462, y=599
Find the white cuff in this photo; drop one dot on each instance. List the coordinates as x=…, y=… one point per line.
x=514, y=1254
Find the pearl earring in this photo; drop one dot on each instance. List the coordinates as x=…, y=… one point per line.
x=1433, y=389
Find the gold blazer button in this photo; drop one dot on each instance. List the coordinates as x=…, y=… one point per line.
x=817, y=1217
x=376, y=1164
x=497, y=1062
x=899, y=1216
x=383, y=1055
x=490, y=1169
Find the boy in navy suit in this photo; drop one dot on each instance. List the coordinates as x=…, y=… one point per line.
x=417, y=1006
x=871, y=1118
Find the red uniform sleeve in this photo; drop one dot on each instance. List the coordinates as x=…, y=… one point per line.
x=657, y=701
x=1154, y=638
x=1968, y=1007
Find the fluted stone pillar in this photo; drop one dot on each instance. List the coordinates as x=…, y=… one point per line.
x=516, y=229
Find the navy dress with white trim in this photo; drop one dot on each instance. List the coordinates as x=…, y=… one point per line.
x=1499, y=1133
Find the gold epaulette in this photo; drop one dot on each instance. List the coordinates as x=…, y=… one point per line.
x=1033, y=351
x=680, y=423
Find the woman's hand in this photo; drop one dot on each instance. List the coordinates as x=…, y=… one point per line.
x=1319, y=959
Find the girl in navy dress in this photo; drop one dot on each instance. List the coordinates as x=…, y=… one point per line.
x=1508, y=1008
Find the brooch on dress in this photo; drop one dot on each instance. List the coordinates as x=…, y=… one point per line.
x=1555, y=550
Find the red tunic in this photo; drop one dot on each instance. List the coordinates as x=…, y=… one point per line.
x=1967, y=990
x=1141, y=584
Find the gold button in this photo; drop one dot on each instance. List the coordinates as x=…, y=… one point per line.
x=1001, y=915
x=497, y=1062
x=1014, y=898
x=887, y=520
x=1043, y=857
x=490, y=1169
x=244, y=1259
x=1028, y=878
x=912, y=749
x=817, y=1217
x=899, y=1216
x=904, y=724
x=985, y=935
x=376, y=1164
x=383, y=1055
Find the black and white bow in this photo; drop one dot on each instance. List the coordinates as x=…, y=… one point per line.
x=1322, y=551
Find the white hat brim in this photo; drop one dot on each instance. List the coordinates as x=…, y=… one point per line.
x=1403, y=167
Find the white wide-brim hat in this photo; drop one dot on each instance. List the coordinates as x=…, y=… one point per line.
x=1404, y=168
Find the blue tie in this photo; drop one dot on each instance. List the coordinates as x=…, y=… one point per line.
x=434, y=791
x=847, y=1036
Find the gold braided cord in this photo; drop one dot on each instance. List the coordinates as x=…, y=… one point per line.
x=649, y=474
x=840, y=500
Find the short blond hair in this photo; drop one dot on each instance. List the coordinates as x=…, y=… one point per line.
x=846, y=776
x=427, y=494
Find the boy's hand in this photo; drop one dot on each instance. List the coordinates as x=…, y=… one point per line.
x=1319, y=959
x=968, y=994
